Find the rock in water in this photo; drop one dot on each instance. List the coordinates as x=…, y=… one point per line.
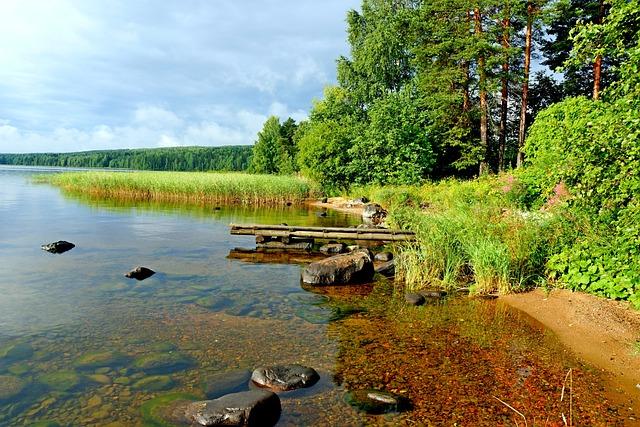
x=384, y=256
x=58, y=247
x=10, y=387
x=333, y=248
x=414, y=299
x=140, y=273
x=356, y=266
x=373, y=214
x=433, y=294
x=387, y=269
x=285, y=377
x=248, y=408
x=376, y=401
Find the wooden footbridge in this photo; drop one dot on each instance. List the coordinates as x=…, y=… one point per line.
x=286, y=233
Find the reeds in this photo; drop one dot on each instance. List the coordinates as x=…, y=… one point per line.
x=468, y=233
x=188, y=187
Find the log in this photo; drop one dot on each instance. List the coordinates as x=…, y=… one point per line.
x=335, y=233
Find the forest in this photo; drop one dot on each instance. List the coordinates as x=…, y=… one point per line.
x=231, y=158
x=538, y=101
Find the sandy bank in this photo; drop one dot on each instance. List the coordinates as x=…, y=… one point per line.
x=601, y=332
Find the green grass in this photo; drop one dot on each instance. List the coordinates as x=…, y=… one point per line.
x=469, y=233
x=189, y=187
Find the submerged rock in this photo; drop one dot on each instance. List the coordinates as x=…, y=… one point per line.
x=140, y=273
x=414, y=299
x=228, y=382
x=10, y=387
x=383, y=256
x=167, y=409
x=163, y=362
x=376, y=401
x=285, y=377
x=248, y=408
x=387, y=269
x=100, y=359
x=333, y=248
x=154, y=383
x=16, y=352
x=58, y=247
x=61, y=380
x=356, y=266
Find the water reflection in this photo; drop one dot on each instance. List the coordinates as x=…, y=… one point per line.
x=82, y=345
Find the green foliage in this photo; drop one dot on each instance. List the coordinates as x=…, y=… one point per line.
x=470, y=232
x=395, y=148
x=274, y=152
x=192, y=187
x=593, y=147
x=232, y=158
x=606, y=262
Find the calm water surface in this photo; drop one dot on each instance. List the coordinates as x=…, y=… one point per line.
x=82, y=345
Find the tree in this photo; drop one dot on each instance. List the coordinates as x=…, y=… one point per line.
x=268, y=151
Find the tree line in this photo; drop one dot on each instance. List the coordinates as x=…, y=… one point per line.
x=440, y=88
x=229, y=158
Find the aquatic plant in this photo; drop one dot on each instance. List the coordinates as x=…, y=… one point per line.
x=189, y=187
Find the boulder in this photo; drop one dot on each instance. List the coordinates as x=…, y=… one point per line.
x=140, y=273
x=248, y=408
x=58, y=247
x=356, y=266
x=414, y=299
x=285, y=377
x=333, y=248
x=383, y=256
x=387, y=269
x=376, y=401
x=360, y=201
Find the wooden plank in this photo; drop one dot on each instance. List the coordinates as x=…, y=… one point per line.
x=379, y=234
x=308, y=228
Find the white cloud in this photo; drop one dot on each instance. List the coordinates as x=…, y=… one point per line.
x=156, y=117
x=88, y=74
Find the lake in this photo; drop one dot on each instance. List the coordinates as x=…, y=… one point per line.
x=82, y=345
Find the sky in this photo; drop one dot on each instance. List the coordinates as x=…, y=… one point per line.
x=81, y=75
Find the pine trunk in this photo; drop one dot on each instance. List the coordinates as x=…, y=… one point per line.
x=504, y=95
x=525, y=84
x=597, y=65
x=484, y=113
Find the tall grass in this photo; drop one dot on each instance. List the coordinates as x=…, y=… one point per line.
x=190, y=187
x=468, y=233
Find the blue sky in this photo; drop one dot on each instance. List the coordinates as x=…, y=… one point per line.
x=93, y=74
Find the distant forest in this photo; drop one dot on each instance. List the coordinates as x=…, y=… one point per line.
x=231, y=158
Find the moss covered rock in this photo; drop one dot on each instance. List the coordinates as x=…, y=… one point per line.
x=10, y=387
x=154, y=383
x=166, y=410
x=162, y=363
x=61, y=380
x=100, y=359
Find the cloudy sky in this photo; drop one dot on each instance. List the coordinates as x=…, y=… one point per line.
x=92, y=74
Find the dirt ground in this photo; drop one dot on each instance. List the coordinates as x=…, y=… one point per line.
x=602, y=332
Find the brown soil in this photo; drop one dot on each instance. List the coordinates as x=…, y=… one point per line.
x=339, y=204
x=601, y=332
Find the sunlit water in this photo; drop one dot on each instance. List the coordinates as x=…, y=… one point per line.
x=80, y=344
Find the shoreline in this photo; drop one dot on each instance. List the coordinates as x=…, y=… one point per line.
x=601, y=332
